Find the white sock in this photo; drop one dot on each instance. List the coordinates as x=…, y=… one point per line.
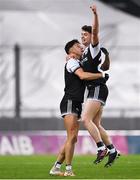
x=111, y=151
x=101, y=148
x=68, y=167
x=57, y=165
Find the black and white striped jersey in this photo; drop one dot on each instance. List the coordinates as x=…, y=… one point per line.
x=74, y=87
x=92, y=61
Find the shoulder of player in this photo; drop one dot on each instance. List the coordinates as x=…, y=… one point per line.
x=91, y=47
x=72, y=65
x=72, y=61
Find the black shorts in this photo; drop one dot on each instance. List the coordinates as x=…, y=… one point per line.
x=68, y=106
x=98, y=93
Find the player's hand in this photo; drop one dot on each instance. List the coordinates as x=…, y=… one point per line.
x=67, y=57
x=104, y=50
x=93, y=8
x=106, y=76
x=70, y=56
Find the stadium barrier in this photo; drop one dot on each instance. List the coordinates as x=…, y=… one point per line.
x=49, y=142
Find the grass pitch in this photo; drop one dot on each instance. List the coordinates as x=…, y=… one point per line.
x=37, y=167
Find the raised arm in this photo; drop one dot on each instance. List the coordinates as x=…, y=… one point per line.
x=95, y=26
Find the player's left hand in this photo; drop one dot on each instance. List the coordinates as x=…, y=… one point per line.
x=93, y=8
x=70, y=56
x=106, y=76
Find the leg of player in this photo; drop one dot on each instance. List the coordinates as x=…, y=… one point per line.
x=91, y=108
x=72, y=127
x=67, y=150
x=56, y=169
x=113, y=154
x=61, y=155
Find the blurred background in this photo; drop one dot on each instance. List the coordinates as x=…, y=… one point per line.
x=33, y=34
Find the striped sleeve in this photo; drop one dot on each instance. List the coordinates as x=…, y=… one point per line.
x=72, y=65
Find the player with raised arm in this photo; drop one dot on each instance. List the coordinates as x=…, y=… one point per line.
x=97, y=89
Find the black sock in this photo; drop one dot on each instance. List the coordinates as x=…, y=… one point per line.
x=100, y=144
x=58, y=162
x=110, y=146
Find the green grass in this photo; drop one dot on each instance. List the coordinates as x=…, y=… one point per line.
x=37, y=167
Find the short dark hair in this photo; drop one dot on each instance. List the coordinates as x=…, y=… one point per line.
x=70, y=44
x=87, y=28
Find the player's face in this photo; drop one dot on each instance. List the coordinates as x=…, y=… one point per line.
x=77, y=49
x=85, y=38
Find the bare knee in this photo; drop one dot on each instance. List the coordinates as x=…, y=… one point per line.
x=85, y=121
x=72, y=137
